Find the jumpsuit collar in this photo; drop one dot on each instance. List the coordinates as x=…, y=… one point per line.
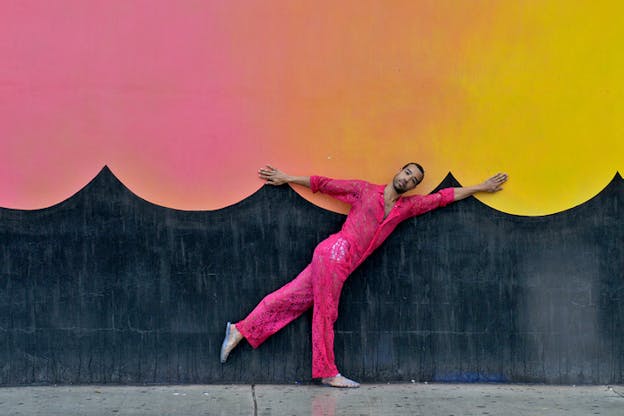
x=397, y=204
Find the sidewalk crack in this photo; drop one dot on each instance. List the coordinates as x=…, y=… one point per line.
x=615, y=391
x=253, y=396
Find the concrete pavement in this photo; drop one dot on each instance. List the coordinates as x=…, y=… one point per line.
x=301, y=400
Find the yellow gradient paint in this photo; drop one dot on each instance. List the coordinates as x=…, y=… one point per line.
x=544, y=82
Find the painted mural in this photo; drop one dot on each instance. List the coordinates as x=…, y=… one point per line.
x=133, y=224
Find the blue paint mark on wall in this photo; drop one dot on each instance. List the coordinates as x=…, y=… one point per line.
x=469, y=377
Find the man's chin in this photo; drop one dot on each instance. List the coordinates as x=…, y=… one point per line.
x=399, y=190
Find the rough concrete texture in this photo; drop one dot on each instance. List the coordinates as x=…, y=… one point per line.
x=301, y=400
x=440, y=400
x=211, y=400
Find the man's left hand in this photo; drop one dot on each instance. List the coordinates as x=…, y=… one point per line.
x=495, y=183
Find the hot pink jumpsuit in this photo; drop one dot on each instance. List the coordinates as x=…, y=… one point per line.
x=320, y=283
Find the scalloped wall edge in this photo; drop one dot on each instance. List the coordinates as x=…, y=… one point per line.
x=448, y=180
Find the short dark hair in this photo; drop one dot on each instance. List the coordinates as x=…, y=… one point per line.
x=422, y=170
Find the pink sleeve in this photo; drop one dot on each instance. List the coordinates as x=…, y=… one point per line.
x=426, y=203
x=344, y=190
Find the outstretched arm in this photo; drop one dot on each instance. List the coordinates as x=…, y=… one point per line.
x=494, y=184
x=276, y=177
x=344, y=190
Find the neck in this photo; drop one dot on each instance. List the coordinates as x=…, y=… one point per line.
x=390, y=193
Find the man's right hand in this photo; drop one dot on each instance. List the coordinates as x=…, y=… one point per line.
x=273, y=176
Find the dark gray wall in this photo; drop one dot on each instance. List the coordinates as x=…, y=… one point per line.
x=108, y=288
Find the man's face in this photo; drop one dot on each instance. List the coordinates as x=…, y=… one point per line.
x=407, y=179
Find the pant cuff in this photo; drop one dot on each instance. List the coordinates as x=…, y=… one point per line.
x=325, y=374
x=250, y=339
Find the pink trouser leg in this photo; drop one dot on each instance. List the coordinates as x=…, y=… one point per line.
x=277, y=309
x=328, y=280
x=320, y=285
